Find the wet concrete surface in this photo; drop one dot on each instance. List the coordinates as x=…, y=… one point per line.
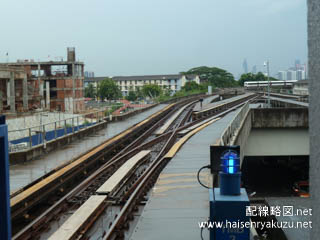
x=180, y=180
x=177, y=202
x=23, y=174
x=206, y=101
x=214, y=104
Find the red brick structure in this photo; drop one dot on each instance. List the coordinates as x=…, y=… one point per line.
x=52, y=85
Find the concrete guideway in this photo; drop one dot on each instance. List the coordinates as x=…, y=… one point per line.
x=69, y=229
x=80, y=171
x=184, y=139
x=23, y=174
x=206, y=101
x=210, y=106
x=117, y=178
x=168, y=123
x=22, y=201
x=29, y=201
x=222, y=105
x=147, y=180
x=177, y=202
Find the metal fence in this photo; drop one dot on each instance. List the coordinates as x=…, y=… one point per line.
x=43, y=133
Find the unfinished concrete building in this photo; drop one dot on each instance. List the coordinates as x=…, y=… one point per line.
x=51, y=85
x=14, y=90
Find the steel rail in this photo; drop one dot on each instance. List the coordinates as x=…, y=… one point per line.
x=141, y=187
x=181, y=119
x=117, y=155
x=31, y=229
x=138, y=187
x=115, y=161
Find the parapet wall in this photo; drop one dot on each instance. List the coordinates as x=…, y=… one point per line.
x=239, y=129
x=280, y=118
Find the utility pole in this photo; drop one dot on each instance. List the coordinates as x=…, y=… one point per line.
x=266, y=63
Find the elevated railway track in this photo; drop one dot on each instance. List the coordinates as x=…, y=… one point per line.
x=71, y=186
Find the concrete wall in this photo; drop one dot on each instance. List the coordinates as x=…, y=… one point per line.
x=277, y=142
x=243, y=135
x=271, y=118
x=301, y=89
x=280, y=118
x=36, y=151
x=34, y=121
x=314, y=89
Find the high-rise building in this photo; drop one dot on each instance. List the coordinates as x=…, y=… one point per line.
x=301, y=75
x=282, y=75
x=291, y=75
x=297, y=72
x=254, y=69
x=88, y=74
x=304, y=68
x=297, y=64
x=245, y=66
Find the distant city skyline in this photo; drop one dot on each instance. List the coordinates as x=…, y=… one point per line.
x=254, y=69
x=296, y=65
x=298, y=71
x=245, y=66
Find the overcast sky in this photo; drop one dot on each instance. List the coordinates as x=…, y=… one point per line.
x=133, y=37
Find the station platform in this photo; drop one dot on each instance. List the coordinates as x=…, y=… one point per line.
x=177, y=202
x=23, y=174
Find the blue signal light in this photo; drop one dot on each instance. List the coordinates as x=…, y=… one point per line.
x=230, y=170
x=230, y=174
x=230, y=162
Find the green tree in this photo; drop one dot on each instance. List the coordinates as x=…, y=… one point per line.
x=249, y=77
x=191, y=86
x=151, y=90
x=246, y=77
x=216, y=77
x=139, y=93
x=90, y=91
x=132, y=96
x=260, y=77
x=108, y=88
x=166, y=91
x=204, y=86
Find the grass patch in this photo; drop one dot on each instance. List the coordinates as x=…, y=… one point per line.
x=112, y=109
